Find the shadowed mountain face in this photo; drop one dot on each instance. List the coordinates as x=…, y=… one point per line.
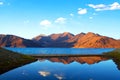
x=15, y=41
x=81, y=60
x=55, y=40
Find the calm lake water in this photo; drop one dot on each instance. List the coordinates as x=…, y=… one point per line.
x=47, y=70
x=65, y=68
x=61, y=50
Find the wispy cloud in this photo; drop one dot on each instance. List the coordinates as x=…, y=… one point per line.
x=82, y=11
x=45, y=23
x=60, y=20
x=1, y=3
x=102, y=7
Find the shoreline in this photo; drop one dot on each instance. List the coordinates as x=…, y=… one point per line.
x=10, y=60
x=65, y=55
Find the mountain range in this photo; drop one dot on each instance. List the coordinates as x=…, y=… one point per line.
x=66, y=39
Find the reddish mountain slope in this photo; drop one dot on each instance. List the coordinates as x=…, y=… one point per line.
x=15, y=41
x=76, y=37
x=92, y=40
x=82, y=40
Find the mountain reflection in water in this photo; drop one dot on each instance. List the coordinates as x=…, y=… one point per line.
x=81, y=60
x=66, y=68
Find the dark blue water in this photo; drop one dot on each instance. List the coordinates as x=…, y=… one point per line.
x=46, y=70
x=61, y=50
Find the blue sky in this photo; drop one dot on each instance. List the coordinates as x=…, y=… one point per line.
x=29, y=18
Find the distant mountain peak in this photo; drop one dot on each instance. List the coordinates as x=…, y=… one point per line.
x=92, y=34
x=67, y=34
x=42, y=35
x=83, y=33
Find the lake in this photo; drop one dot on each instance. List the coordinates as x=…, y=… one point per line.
x=61, y=50
x=76, y=68
x=65, y=68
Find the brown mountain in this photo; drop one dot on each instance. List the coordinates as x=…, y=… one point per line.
x=76, y=37
x=82, y=40
x=66, y=39
x=15, y=41
x=55, y=40
x=92, y=40
x=61, y=37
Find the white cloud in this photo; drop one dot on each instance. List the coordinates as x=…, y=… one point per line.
x=82, y=11
x=114, y=6
x=45, y=23
x=102, y=7
x=71, y=14
x=97, y=6
x=1, y=3
x=60, y=20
